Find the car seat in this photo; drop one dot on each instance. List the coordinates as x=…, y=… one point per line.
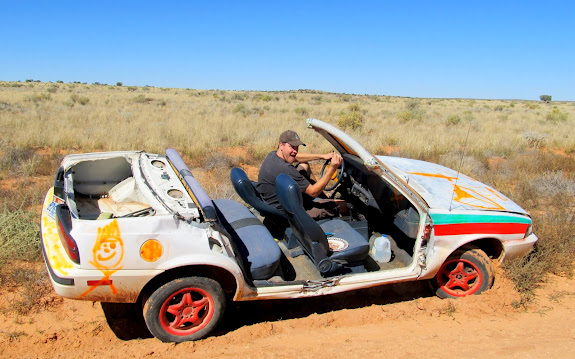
x=275, y=220
x=348, y=246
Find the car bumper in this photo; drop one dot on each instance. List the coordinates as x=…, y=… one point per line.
x=519, y=248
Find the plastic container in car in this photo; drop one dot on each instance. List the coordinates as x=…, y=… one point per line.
x=381, y=249
x=408, y=222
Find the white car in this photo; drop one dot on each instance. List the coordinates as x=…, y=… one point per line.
x=135, y=227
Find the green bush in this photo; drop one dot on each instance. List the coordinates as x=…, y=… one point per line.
x=240, y=107
x=142, y=99
x=83, y=100
x=19, y=235
x=36, y=98
x=545, y=98
x=556, y=116
x=352, y=119
x=453, y=120
x=302, y=111
x=407, y=116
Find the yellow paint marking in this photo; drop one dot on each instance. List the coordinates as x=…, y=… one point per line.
x=107, y=253
x=55, y=253
x=467, y=195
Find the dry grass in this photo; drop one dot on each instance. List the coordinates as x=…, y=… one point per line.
x=523, y=148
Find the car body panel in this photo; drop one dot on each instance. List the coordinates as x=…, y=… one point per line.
x=444, y=188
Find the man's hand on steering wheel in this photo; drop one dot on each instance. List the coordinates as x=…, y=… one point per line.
x=336, y=165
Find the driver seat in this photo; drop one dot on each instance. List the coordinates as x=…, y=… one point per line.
x=348, y=245
x=274, y=219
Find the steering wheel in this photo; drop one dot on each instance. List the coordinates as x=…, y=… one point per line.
x=335, y=178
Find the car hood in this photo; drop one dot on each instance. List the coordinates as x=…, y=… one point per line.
x=444, y=188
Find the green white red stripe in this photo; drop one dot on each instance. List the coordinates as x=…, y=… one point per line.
x=460, y=224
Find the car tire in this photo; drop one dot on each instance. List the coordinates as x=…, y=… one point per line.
x=184, y=309
x=464, y=272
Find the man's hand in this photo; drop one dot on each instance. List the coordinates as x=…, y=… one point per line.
x=335, y=160
x=317, y=188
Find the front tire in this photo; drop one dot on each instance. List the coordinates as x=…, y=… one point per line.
x=185, y=309
x=464, y=272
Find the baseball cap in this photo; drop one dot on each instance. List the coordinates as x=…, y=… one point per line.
x=291, y=137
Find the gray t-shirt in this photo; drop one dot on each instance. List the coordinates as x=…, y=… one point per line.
x=271, y=167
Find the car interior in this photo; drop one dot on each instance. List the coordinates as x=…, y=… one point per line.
x=313, y=250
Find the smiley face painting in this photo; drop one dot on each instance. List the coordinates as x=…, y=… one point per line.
x=107, y=255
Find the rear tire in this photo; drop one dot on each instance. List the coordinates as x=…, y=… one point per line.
x=185, y=309
x=464, y=272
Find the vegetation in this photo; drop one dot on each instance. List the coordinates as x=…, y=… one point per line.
x=545, y=98
x=522, y=148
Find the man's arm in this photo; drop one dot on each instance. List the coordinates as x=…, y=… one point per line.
x=317, y=188
x=306, y=157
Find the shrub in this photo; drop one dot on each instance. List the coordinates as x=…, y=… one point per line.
x=316, y=100
x=453, y=120
x=556, y=116
x=119, y=84
x=352, y=119
x=142, y=99
x=545, y=98
x=553, y=253
x=407, y=116
x=302, y=111
x=239, y=108
x=5, y=106
x=19, y=235
x=345, y=98
x=13, y=158
x=354, y=107
x=239, y=97
x=261, y=97
x=534, y=139
x=36, y=98
x=83, y=100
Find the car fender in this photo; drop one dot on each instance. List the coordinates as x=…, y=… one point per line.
x=214, y=259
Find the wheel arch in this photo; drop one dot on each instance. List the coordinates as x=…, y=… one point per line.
x=226, y=279
x=491, y=246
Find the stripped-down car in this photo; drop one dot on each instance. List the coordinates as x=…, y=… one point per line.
x=135, y=227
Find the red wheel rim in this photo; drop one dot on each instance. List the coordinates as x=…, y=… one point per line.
x=459, y=277
x=187, y=311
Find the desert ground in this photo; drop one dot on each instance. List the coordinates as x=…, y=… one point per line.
x=394, y=321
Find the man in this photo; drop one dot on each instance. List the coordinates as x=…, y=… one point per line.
x=282, y=161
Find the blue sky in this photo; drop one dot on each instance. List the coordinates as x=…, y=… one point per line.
x=441, y=49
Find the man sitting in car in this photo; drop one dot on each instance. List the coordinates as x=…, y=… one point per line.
x=284, y=160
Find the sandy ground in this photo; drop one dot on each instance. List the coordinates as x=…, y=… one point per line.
x=393, y=321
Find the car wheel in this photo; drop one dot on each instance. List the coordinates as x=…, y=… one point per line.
x=465, y=272
x=184, y=309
